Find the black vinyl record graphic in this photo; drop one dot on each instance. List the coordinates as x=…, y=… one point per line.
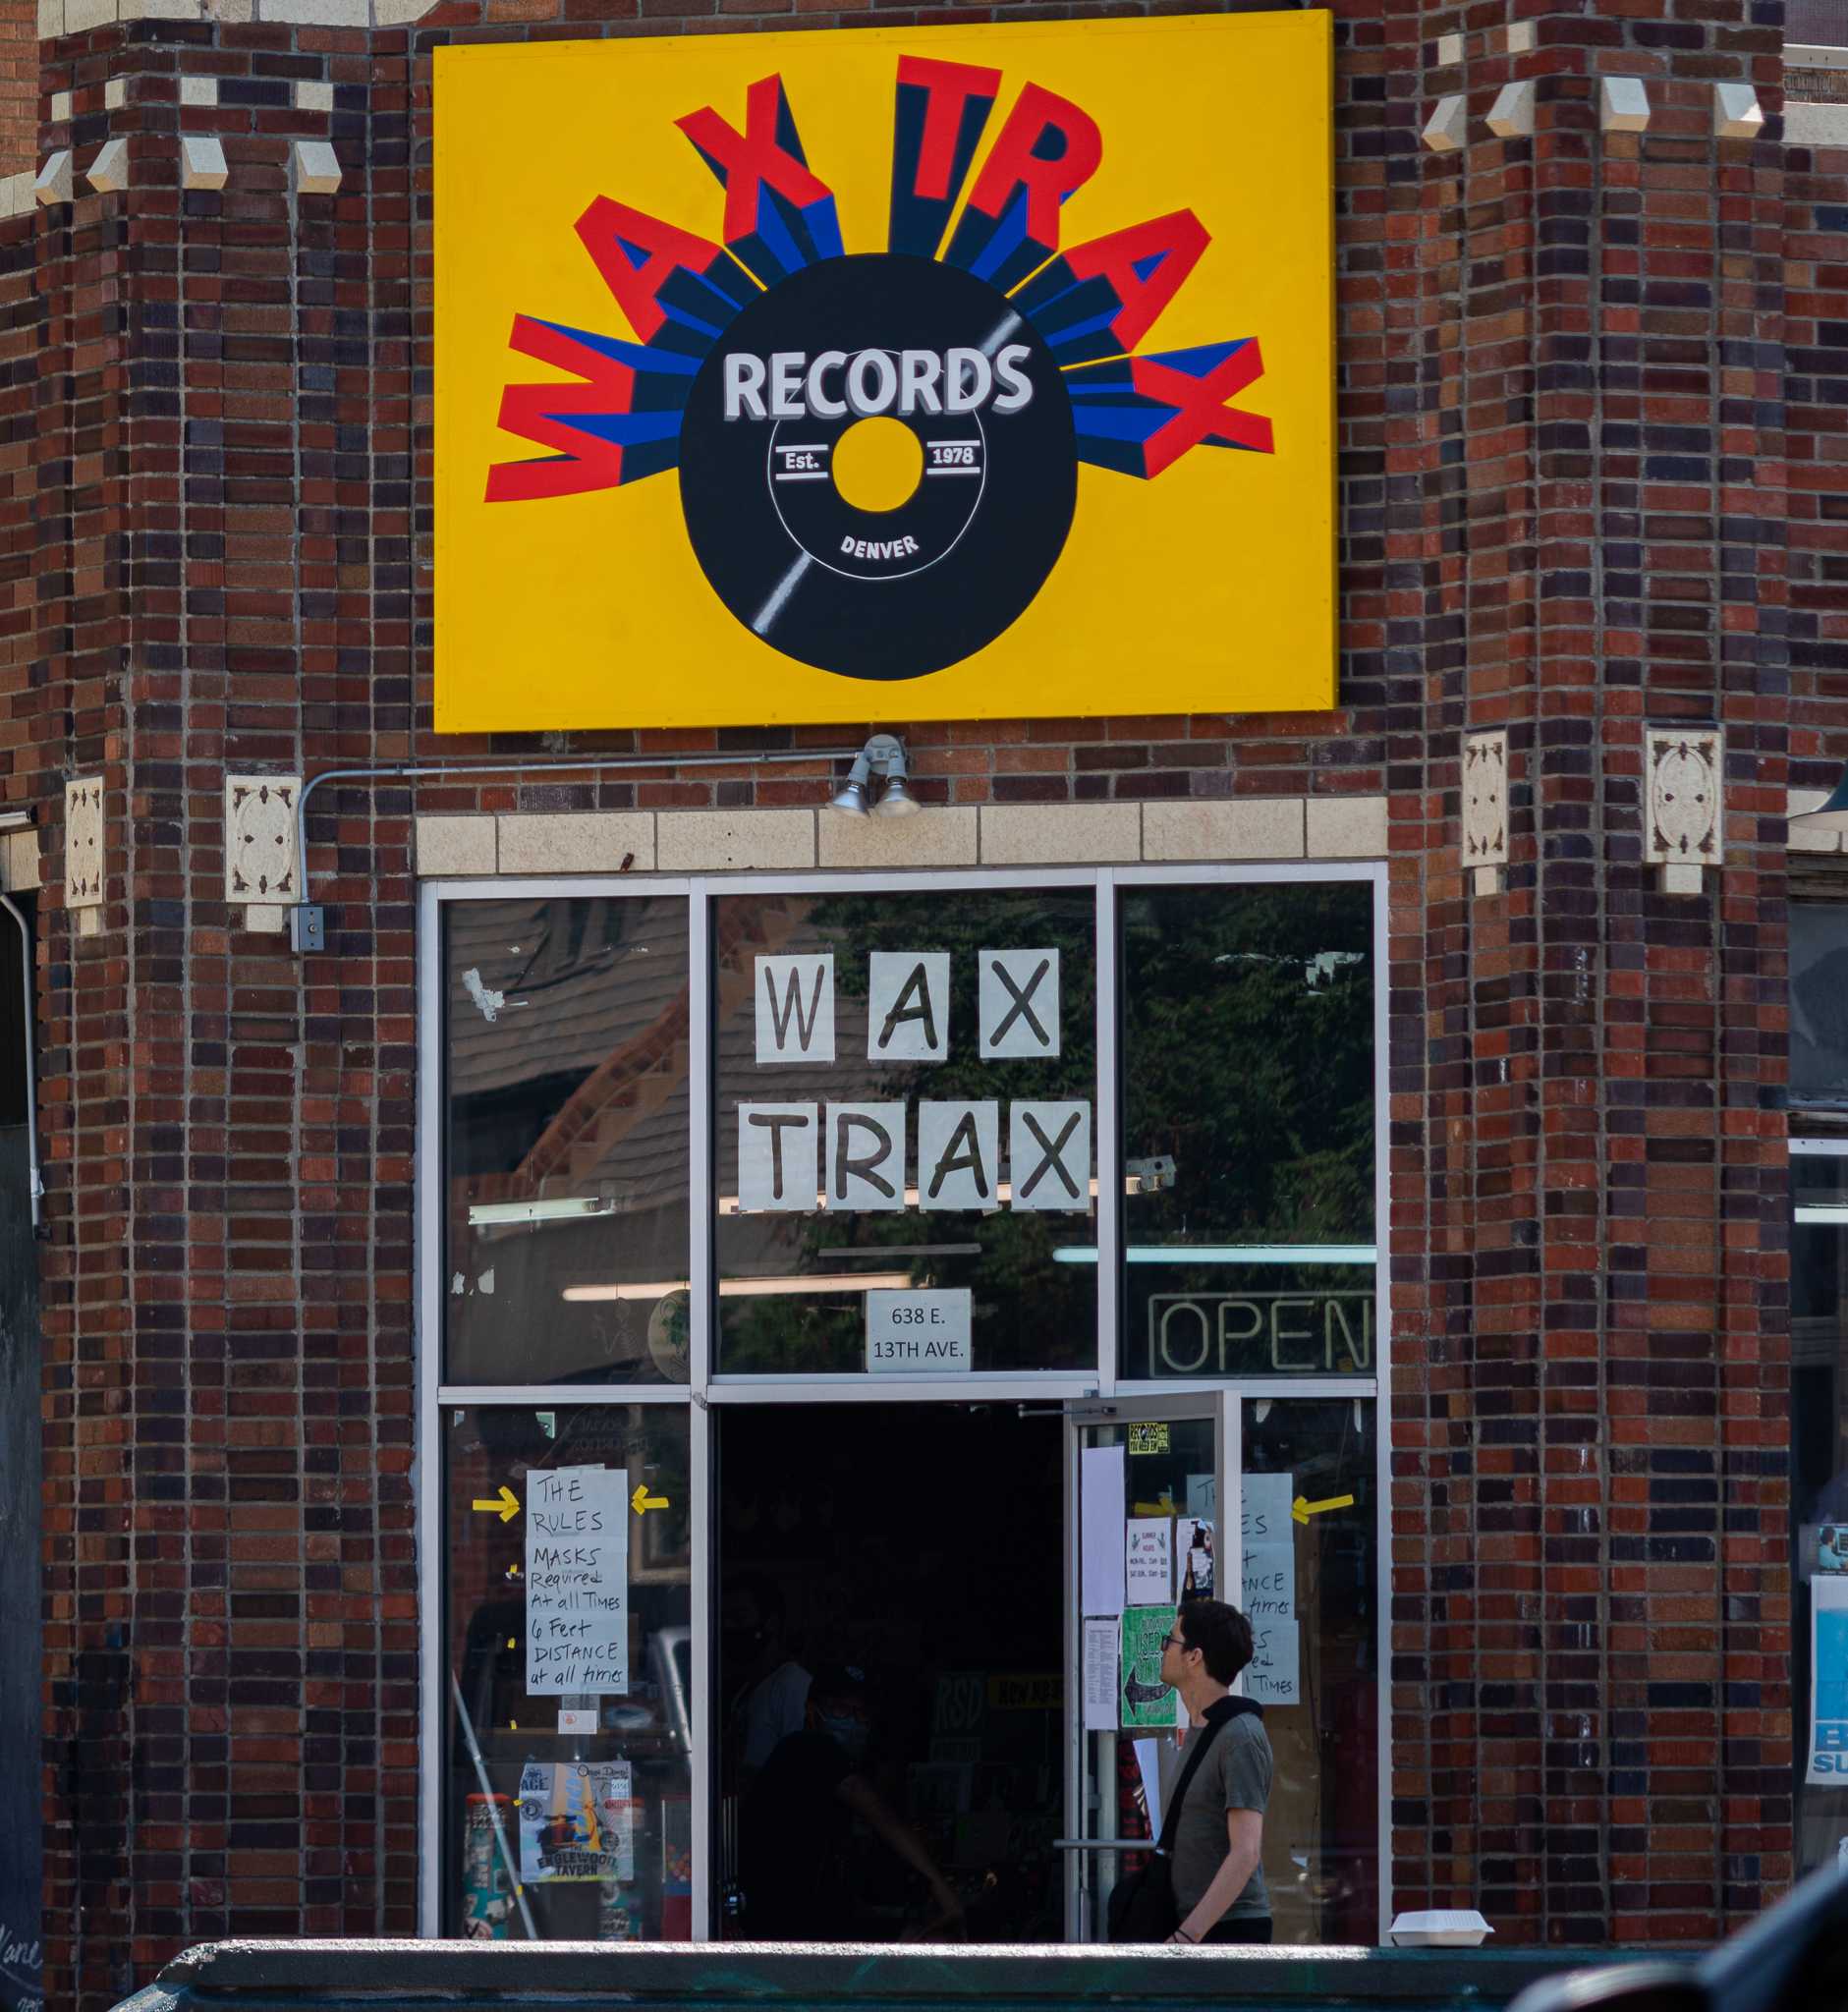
x=948, y=561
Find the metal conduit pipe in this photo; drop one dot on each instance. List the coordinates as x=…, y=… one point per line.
x=34, y=1185
x=306, y=927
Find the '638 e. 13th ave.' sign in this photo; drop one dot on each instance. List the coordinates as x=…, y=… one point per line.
x=993, y=364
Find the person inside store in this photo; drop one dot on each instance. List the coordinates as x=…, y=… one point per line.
x=796, y=1865
x=1218, y=1878
x=770, y=1699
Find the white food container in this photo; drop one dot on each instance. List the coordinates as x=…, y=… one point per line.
x=1440, y=1928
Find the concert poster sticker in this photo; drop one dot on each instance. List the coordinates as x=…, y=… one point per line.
x=576, y=1821
x=1829, y=1680
x=577, y=1624
x=1193, y=1558
x=1146, y=1700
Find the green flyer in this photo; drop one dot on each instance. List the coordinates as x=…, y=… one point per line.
x=1146, y=1699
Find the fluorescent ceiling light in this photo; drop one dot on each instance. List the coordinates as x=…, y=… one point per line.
x=1816, y=1213
x=1235, y=1254
x=557, y=1210
x=749, y=1288
x=655, y=1289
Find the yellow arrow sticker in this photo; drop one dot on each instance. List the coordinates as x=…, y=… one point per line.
x=505, y=1505
x=641, y=1500
x=1302, y=1509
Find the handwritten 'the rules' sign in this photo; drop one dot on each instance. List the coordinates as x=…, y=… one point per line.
x=577, y=1580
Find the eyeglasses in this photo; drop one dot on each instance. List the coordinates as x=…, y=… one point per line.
x=1175, y=1642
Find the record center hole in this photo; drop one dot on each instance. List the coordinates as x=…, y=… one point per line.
x=878, y=463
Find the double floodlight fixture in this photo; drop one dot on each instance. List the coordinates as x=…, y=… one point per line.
x=879, y=767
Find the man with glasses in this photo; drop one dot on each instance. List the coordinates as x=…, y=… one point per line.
x=1218, y=1881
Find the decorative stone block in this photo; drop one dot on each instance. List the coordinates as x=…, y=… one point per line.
x=316, y=168
x=1060, y=834
x=1485, y=807
x=581, y=842
x=693, y=841
x=55, y=180
x=1736, y=112
x=1683, y=772
x=115, y=94
x=84, y=849
x=201, y=162
x=1521, y=37
x=199, y=90
x=259, y=838
x=19, y=861
x=1449, y=51
x=1448, y=125
x=1225, y=829
x=1511, y=116
x=1345, y=827
x=61, y=106
x=109, y=171
x=313, y=97
x=50, y=20
x=461, y=846
x=1814, y=124
x=1623, y=105
x=16, y=194
x=1806, y=838
x=943, y=836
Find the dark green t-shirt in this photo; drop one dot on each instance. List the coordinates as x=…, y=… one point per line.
x=1234, y=1775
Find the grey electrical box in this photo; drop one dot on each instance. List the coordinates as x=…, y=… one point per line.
x=308, y=928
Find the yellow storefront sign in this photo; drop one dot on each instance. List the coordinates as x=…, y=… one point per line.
x=897, y=374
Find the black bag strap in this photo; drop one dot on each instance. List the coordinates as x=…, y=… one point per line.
x=1197, y=1753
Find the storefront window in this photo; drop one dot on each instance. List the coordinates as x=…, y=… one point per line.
x=798, y=1158
x=906, y=1114
x=568, y=1149
x=1819, y=1414
x=1312, y=1593
x=1818, y=1002
x=569, y=1651
x=1248, y=1130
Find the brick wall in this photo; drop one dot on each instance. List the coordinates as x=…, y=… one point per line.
x=1573, y=500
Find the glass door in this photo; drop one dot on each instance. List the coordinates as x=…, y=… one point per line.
x=1151, y=1484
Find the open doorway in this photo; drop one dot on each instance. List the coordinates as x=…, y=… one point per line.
x=907, y=1558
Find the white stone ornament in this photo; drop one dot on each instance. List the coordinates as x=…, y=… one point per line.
x=1448, y=125
x=83, y=854
x=108, y=173
x=1511, y=116
x=1683, y=775
x=54, y=182
x=1623, y=105
x=260, y=864
x=1485, y=807
x=201, y=162
x=1737, y=114
x=316, y=168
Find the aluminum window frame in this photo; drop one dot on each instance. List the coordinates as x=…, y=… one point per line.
x=704, y=1388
